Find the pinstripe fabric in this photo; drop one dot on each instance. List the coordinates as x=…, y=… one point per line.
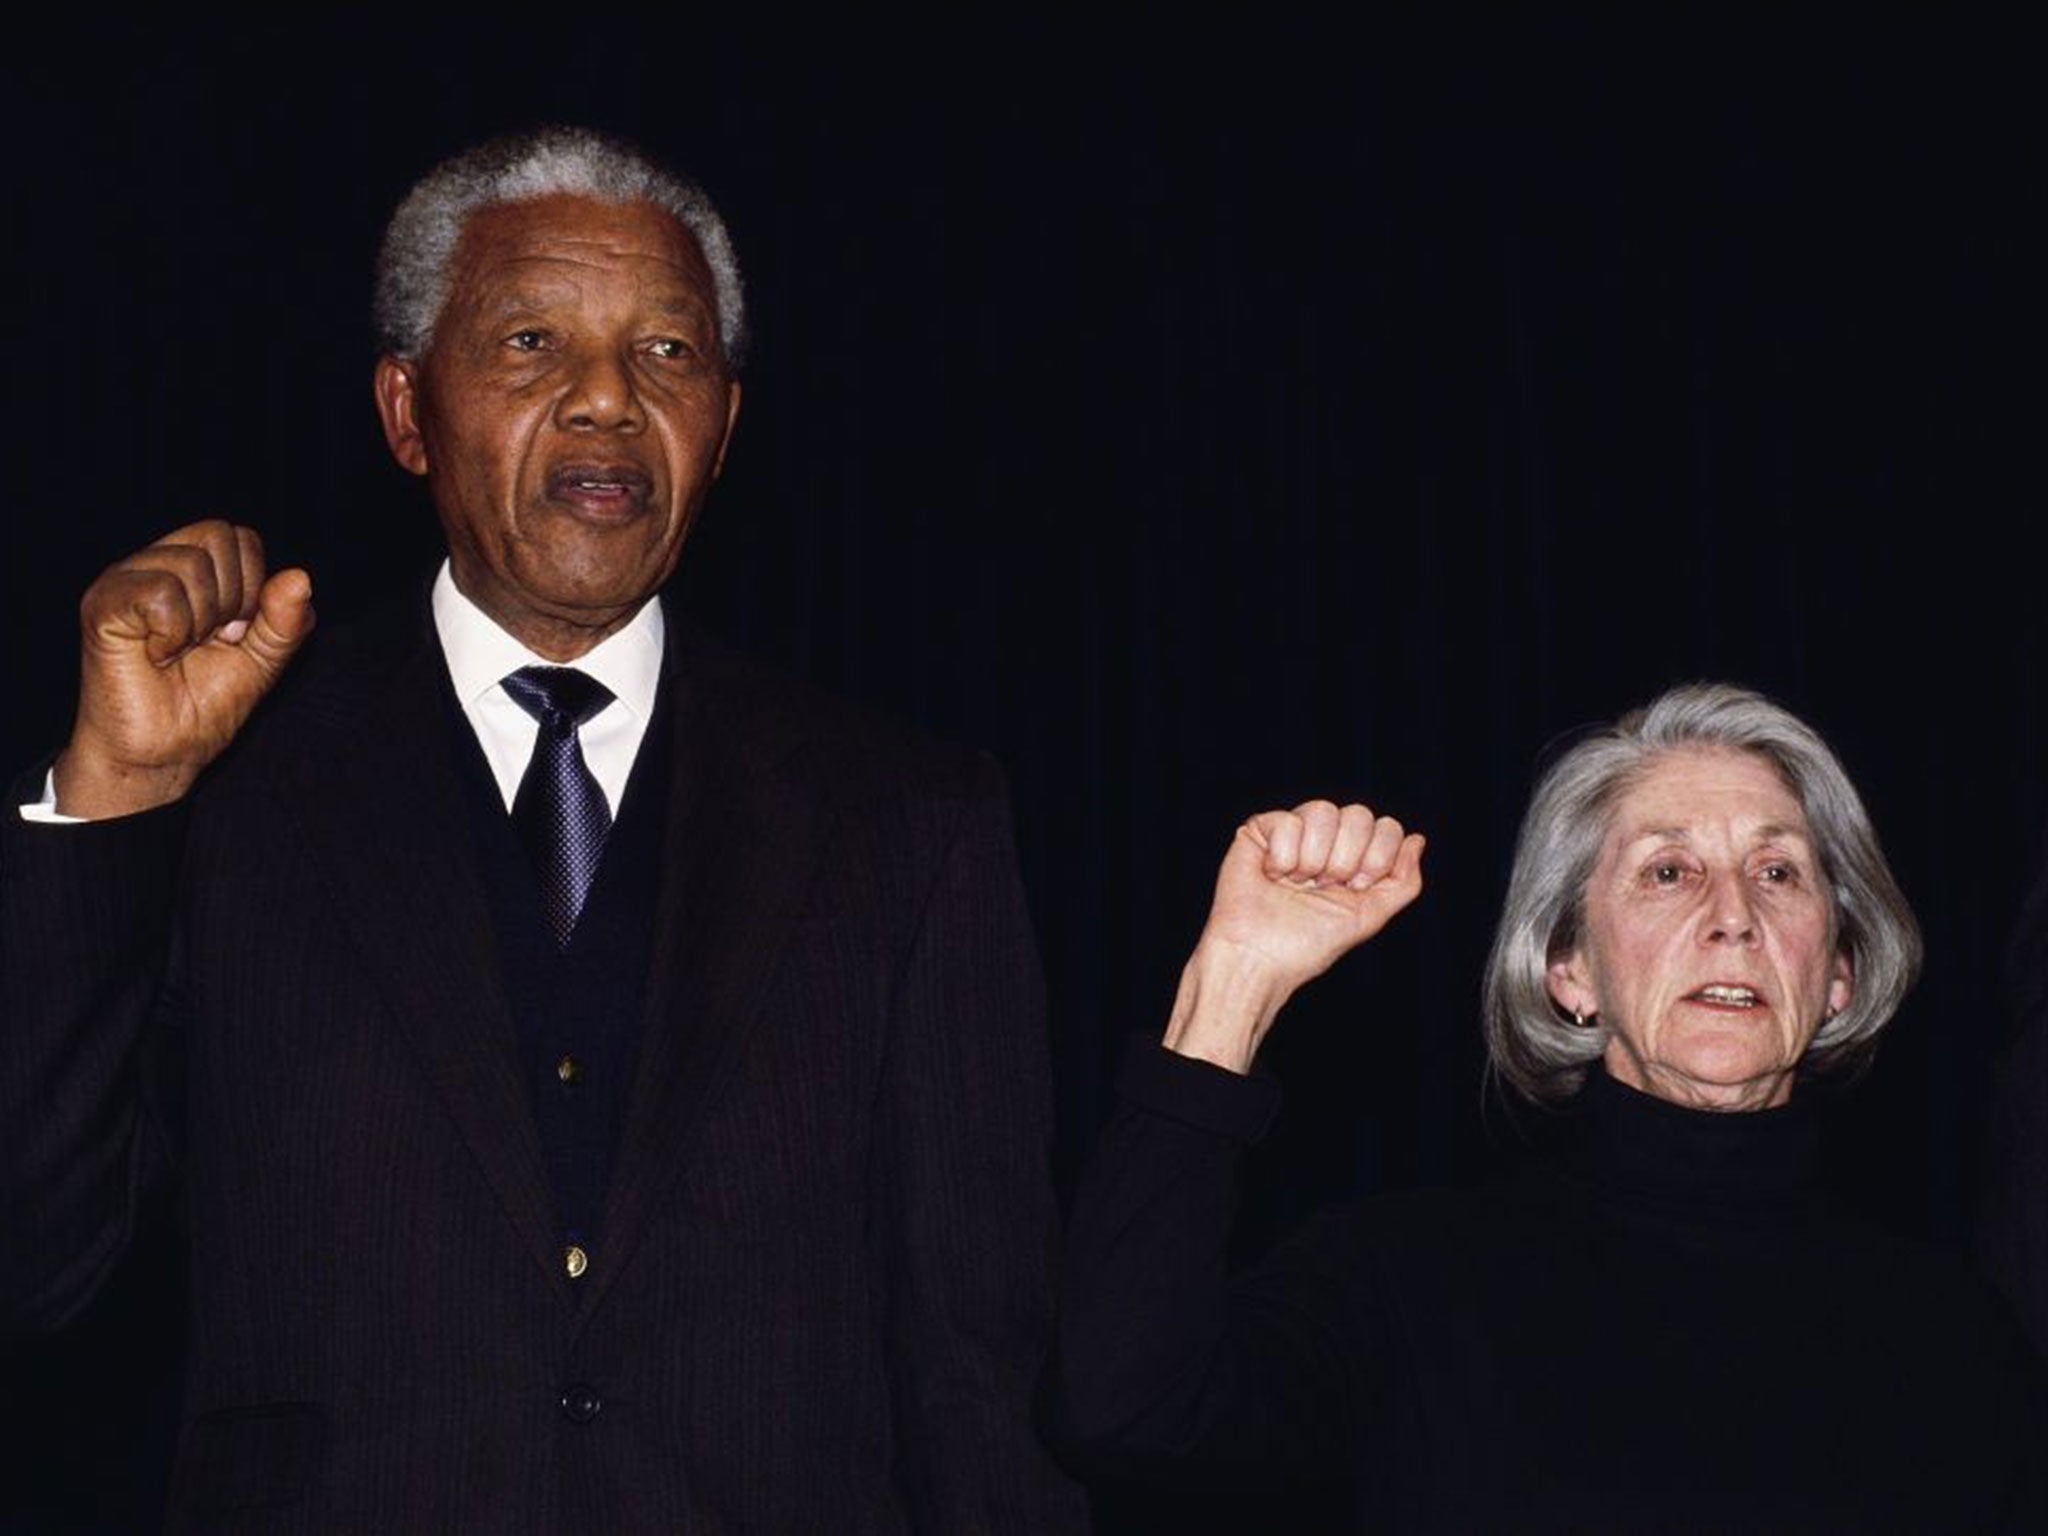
x=823, y=1292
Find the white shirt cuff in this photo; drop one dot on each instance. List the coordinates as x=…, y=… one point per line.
x=45, y=809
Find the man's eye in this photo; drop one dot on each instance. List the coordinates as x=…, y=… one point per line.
x=527, y=341
x=669, y=347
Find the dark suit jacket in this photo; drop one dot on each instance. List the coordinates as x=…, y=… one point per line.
x=823, y=1286
x=2012, y=1232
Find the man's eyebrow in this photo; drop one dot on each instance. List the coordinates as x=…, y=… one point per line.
x=681, y=305
x=535, y=297
x=526, y=298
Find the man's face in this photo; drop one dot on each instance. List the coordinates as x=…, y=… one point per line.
x=570, y=413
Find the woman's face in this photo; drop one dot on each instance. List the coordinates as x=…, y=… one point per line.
x=1708, y=950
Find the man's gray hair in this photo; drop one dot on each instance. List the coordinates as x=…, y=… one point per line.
x=419, y=244
x=1530, y=1041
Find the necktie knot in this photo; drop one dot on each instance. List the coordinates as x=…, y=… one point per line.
x=560, y=697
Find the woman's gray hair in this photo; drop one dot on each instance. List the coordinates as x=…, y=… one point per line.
x=1530, y=1041
x=419, y=244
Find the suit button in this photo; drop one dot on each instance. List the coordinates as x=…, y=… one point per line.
x=568, y=1071
x=575, y=1260
x=580, y=1403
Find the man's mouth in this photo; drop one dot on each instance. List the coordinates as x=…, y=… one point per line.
x=601, y=488
x=1727, y=995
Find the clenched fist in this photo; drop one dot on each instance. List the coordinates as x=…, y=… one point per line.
x=1297, y=890
x=180, y=641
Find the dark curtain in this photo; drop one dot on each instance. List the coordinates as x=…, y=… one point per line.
x=1200, y=420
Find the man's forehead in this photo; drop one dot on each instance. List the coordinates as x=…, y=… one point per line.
x=507, y=240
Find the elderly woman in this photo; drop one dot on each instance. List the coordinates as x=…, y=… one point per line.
x=1664, y=1326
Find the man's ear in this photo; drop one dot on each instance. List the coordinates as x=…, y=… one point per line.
x=397, y=388
x=732, y=416
x=1571, y=986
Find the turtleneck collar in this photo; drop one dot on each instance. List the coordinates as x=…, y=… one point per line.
x=1740, y=1162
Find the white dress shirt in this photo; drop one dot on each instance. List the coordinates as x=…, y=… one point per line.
x=480, y=655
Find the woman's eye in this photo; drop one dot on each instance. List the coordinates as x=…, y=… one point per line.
x=1666, y=874
x=1778, y=874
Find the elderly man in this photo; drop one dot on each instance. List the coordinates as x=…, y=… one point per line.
x=605, y=1081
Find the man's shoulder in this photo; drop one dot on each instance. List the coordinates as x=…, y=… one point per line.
x=350, y=678
x=384, y=674
x=762, y=715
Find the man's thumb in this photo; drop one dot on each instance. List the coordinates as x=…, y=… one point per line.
x=284, y=617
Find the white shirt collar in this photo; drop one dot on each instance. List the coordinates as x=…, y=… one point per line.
x=480, y=654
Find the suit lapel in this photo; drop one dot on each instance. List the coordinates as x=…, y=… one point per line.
x=741, y=836
x=390, y=827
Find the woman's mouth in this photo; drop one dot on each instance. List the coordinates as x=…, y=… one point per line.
x=1726, y=995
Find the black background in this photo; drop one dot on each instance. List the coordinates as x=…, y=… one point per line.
x=1200, y=419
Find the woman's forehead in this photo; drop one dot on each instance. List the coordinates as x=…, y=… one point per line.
x=1707, y=791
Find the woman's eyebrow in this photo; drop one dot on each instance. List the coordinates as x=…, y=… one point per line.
x=1782, y=831
x=1665, y=834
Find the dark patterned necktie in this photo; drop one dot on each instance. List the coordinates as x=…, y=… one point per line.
x=560, y=812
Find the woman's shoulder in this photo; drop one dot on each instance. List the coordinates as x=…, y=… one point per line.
x=1921, y=1297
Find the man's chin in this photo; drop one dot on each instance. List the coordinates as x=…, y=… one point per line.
x=598, y=604
x=562, y=619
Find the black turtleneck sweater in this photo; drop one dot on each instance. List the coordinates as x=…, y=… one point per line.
x=1662, y=1328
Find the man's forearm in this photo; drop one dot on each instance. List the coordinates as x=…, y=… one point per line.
x=85, y=920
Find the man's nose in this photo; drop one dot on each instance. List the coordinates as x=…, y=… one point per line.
x=1731, y=909
x=600, y=396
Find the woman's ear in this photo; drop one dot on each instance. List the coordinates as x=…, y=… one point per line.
x=1841, y=984
x=1571, y=987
